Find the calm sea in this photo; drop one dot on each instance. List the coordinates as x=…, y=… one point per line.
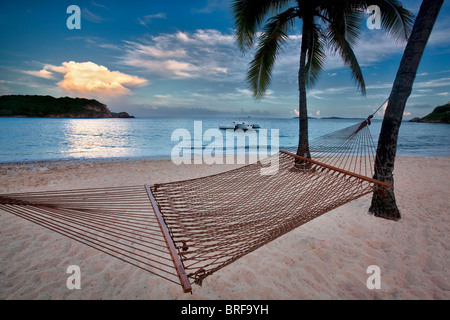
x=32, y=139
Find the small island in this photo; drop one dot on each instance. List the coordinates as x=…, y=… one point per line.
x=50, y=107
x=440, y=114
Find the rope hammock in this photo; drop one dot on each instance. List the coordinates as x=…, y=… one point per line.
x=185, y=231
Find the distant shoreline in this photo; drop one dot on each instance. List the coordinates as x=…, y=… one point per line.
x=35, y=106
x=61, y=117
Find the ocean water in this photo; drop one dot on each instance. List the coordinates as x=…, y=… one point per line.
x=37, y=139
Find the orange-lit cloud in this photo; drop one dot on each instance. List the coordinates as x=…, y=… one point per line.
x=88, y=79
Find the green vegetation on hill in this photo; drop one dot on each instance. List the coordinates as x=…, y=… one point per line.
x=47, y=106
x=441, y=114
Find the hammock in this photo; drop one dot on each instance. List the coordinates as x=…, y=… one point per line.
x=185, y=231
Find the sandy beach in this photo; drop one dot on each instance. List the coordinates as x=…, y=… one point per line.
x=323, y=259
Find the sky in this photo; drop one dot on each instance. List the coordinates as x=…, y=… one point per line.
x=180, y=59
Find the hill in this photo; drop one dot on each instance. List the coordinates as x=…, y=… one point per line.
x=50, y=107
x=440, y=114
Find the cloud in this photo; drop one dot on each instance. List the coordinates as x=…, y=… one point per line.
x=322, y=94
x=441, y=82
x=212, y=55
x=376, y=45
x=146, y=20
x=422, y=87
x=244, y=91
x=88, y=15
x=44, y=73
x=439, y=36
x=162, y=96
x=212, y=6
x=95, y=4
x=207, y=54
x=157, y=51
x=20, y=83
x=372, y=47
x=88, y=79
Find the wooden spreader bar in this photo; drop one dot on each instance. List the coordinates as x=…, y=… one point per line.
x=184, y=280
x=380, y=183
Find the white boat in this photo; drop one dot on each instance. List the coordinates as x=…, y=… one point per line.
x=239, y=125
x=231, y=125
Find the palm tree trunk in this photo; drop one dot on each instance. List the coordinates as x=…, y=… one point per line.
x=383, y=203
x=303, y=142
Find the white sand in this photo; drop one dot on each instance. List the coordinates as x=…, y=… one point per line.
x=324, y=259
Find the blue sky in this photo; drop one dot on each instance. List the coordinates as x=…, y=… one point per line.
x=179, y=58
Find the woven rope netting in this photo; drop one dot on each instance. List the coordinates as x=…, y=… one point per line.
x=187, y=230
x=117, y=221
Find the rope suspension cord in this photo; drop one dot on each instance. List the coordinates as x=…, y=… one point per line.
x=385, y=101
x=367, y=122
x=184, y=231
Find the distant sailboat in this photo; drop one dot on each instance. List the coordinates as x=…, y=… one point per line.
x=239, y=125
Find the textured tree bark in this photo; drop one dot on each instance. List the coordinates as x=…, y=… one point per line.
x=303, y=143
x=383, y=201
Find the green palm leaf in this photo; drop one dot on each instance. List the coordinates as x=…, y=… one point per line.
x=395, y=19
x=316, y=55
x=249, y=15
x=343, y=33
x=273, y=36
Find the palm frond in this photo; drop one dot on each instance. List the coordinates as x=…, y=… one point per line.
x=346, y=19
x=249, y=16
x=273, y=35
x=395, y=19
x=340, y=43
x=316, y=55
x=350, y=60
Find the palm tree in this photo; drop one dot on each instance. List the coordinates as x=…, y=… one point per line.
x=383, y=203
x=325, y=24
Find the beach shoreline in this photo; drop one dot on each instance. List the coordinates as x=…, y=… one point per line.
x=325, y=259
